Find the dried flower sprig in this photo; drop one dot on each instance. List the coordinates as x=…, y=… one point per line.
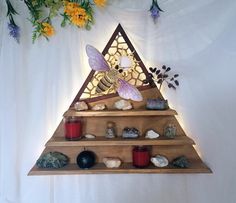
x=14, y=29
x=161, y=76
x=155, y=10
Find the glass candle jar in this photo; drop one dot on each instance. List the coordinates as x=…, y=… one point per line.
x=73, y=128
x=141, y=157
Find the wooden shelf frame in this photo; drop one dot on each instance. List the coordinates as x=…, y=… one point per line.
x=119, y=141
x=114, y=113
x=95, y=122
x=99, y=168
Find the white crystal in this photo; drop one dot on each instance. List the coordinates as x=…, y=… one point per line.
x=80, y=106
x=123, y=105
x=151, y=134
x=90, y=136
x=99, y=107
x=159, y=161
x=111, y=162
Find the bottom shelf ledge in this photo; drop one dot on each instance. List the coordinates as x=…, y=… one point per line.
x=100, y=168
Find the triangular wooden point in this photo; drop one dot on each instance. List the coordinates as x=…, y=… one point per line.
x=139, y=72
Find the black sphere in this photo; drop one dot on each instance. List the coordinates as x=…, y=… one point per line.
x=86, y=159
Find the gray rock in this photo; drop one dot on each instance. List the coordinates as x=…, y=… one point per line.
x=81, y=106
x=170, y=131
x=111, y=162
x=157, y=104
x=151, y=134
x=52, y=160
x=181, y=162
x=99, y=107
x=130, y=133
x=89, y=136
x=159, y=161
x=123, y=105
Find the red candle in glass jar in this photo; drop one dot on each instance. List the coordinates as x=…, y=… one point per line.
x=73, y=128
x=141, y=157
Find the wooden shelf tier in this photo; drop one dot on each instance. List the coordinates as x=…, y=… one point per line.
x=113, y=113
x=119, y=141
x=72, y=169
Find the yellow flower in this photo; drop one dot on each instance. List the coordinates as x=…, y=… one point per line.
x=100, y=3
x=77, y=14
x=80, y=17
x=48, y=30
x=70, y=8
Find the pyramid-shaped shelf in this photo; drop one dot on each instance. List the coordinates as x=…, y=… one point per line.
x=94, y=122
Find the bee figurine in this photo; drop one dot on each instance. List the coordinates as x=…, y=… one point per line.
x=112, y=76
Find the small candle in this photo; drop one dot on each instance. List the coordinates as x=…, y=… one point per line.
x=73, y=128
x=141, y=157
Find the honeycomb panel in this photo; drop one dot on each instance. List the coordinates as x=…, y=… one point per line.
x=134, y=75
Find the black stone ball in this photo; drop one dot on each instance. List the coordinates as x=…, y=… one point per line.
x=86, y=159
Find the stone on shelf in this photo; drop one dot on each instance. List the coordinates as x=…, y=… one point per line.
x=123, y=105
x=90, y=136
x=111, y=162
x=157, y=104
x=181, y=162
x=170, y=131
x=99, y=107
x=160, y=161
x=81, y=106
x=130, y=133
x=52, y=160
x=151, y=134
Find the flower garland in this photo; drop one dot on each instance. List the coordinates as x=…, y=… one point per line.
x=74, y=12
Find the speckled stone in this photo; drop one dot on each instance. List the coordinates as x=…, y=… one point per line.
x=170, y=131
x=157, y=104
x=181, y=162
x=52, y=160
x=130, y=133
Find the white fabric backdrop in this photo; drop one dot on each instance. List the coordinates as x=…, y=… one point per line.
x=38, y=82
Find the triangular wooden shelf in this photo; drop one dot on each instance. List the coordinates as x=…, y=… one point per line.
x=139, y=117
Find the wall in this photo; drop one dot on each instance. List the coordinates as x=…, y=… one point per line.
x=39, y=81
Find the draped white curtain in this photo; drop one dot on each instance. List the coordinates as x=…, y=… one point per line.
x=39, y=81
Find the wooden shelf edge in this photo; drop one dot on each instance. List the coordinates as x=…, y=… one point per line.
x=134, y=112
x=73, y=169
x=102, y=141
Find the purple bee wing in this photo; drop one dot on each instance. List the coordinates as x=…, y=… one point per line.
x=128, y=91
x=96, y=59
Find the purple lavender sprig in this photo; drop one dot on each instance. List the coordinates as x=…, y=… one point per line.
x=155, y=10
x=14, y=30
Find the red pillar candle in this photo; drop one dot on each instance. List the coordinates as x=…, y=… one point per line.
x=141, y=157
x=73, y=128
